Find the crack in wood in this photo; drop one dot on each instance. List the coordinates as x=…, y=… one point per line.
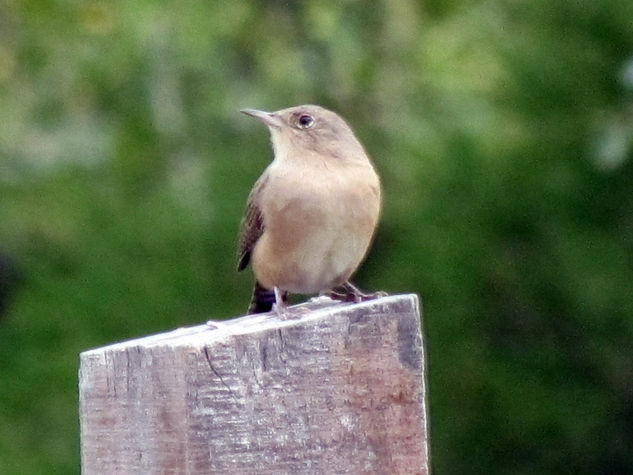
x=282, y=346
x=215, y=371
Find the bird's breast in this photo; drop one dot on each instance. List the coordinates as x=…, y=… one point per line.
x=318, y=225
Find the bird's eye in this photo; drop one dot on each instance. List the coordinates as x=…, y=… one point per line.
x=305, y=121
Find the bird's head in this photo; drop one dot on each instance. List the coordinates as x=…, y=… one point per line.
x=301, y=132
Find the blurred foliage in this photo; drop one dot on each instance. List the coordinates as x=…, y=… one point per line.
x=503, y=131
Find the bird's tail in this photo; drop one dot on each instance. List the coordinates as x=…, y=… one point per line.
x=263, y=299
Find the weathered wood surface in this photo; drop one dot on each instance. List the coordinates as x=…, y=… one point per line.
x=338, y=390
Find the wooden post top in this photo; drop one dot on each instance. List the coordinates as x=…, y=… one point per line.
x=318, y=309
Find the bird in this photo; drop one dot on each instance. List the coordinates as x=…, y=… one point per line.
x=312, y=214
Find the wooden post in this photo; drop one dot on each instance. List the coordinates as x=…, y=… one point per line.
x=338, y=389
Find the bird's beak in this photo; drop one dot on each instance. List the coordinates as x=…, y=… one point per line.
x=269, y=118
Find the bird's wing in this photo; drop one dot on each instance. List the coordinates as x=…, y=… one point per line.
x=252, y=226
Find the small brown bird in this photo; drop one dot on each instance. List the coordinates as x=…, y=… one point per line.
x=311, y=215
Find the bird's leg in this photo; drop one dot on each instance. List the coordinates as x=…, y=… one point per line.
x=350, y=293
x=281, y=309
x=280, y=306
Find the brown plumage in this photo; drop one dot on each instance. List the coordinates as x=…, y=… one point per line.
x=252, y=225
x=311, y=215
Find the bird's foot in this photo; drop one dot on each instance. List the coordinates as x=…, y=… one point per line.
x=280, y=307
x=350, y=293
x=284, y=312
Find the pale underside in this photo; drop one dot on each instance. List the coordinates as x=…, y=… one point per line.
x=306, y=235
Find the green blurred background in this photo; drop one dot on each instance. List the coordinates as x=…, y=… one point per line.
x=503, y=132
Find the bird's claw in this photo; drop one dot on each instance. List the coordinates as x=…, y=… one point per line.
x=351, y=293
